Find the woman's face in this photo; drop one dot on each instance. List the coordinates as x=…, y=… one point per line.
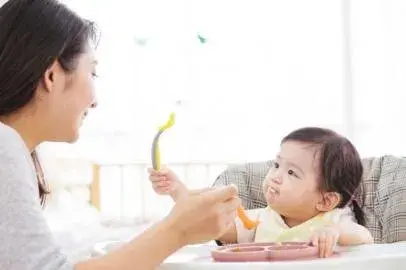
x=68, y=98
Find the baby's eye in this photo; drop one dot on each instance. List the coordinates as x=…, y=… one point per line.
x=291, y=172
x=276, y=165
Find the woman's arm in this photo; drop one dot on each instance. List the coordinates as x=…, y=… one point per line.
x=238, y=233
x=230, y=237
x=194, y=219
x=146, y=251
x=27, y=242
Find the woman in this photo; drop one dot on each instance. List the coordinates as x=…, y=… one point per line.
x=46, y=73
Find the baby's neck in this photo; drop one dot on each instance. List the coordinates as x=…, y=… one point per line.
x=292, y=222
x=299, y=217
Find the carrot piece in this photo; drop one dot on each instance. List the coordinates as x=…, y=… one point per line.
x=249, y=224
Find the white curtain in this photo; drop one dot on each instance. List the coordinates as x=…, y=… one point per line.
x=378, y=43
x=264, y=69
x=247, y=73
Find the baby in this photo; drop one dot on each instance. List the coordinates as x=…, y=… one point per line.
x=310, y=190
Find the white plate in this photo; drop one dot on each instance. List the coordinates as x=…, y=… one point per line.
x=371, y=257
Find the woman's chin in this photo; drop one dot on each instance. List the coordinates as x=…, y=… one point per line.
x=73, y=136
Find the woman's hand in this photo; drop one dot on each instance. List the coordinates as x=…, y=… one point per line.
x=166, y=182
x=204, y=216
x=197, y=218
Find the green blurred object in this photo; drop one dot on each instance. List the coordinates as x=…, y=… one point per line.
x=201, y=39
x=141, y=41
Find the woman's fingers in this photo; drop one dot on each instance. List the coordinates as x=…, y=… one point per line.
x=225, y=194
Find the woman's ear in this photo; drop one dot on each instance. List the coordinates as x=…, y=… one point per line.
x=53, y=77
x=328, y=201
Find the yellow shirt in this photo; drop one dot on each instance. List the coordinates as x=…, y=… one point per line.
x=272, y=227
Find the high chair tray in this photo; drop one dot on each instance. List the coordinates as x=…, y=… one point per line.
x=257, y=252
x=199, y=257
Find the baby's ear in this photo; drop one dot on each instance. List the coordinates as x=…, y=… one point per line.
x=328, y=201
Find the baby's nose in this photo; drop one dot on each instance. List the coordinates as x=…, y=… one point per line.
x=277, y=178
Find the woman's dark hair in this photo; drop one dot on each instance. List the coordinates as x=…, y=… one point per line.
x=33, y=35
x=339, y=163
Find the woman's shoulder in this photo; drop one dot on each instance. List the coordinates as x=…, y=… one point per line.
x=15, y=160
x=7, y=132
x=11, y=142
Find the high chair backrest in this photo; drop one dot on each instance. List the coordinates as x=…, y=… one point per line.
x=383, y=195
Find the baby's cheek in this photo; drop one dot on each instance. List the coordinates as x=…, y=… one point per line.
x=300, y=194
x=265, y=185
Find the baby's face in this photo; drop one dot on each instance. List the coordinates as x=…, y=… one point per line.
x=291, y=185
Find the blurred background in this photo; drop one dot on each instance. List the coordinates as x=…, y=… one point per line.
x=247, y=72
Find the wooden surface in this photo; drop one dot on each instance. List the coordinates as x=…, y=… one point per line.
x=95, y=187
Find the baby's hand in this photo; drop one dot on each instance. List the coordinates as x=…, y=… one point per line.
x=326, y=239
x=163, y=181
x=166, y=182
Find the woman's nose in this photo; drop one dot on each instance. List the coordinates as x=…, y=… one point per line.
x=93, y=105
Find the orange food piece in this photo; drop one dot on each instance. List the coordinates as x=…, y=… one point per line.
x=249, y=224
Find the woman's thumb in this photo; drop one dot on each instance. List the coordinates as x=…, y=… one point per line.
x=220, y=194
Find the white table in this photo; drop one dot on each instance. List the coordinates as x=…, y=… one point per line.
x=372, y=257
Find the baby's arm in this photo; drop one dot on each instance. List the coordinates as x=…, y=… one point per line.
x=179, y=190
x=166, y=182
x=352, y=234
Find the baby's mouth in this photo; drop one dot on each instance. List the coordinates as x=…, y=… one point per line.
x=272, y=190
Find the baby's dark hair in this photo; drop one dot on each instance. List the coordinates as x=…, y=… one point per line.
x=339, y=163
